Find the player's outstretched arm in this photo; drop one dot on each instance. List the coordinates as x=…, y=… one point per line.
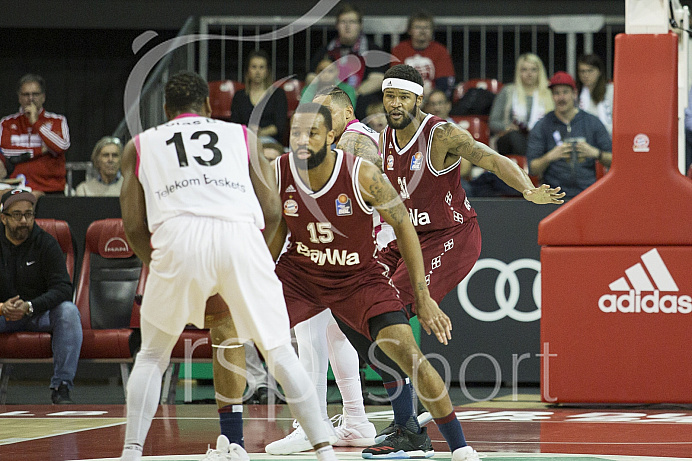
x=458, y=142
x=264, y=183
x=133, y=207
x=380, y=194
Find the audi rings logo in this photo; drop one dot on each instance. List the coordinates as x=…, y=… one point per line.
x=507, y=275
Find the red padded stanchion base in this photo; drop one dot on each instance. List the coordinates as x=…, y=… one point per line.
x=616, y=324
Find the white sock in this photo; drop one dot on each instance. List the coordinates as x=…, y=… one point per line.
x=131, y=453
x=300, y=395
x=344, y=360
x=311, y=336
x=326, y=454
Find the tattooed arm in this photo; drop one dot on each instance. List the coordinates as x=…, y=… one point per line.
x=451, y=142
x=360, y=145
x=380, y=194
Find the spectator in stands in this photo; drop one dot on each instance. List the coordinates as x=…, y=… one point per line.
x=438, y=104
x=106, y=161
x=427, y=56
x=272, y=150
x=595, y=93
x=565, y=145
x=375, y=117
x=327, y=75
x=520, y=105
x=36, y=289
x=351, y=43
x=270, y=119
x=33, y=141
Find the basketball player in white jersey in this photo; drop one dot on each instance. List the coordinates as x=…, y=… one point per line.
x=195, y=197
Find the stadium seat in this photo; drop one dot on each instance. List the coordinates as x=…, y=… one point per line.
x=61, y=231
x=108, y=281
x=477, y=125
x=221, y=95
x=29, y=346
x=293, y=87
x=491, y=84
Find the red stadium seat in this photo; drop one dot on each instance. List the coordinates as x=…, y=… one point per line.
x=61, y=231
x=293, y=87
x=490, y=84
x=106, y=290
x=221, y=95
x=477, y=125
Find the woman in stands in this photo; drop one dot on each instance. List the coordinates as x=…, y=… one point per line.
x=261, y=106
x=520, y=105
x=595, y=94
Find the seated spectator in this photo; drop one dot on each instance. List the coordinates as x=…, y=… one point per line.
x=269, y=121
x=565, y=145
x=520, y=105
x=33, y=142
x=272, y=150
x=106, y=161
x=375, y=117
x=595, y=94
x=327, y=75
x=438, y=104
x=351, y=43
x=36, y=289
x=427, y=56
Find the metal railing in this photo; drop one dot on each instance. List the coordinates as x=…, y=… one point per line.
x=150, y=99
x=481, y=47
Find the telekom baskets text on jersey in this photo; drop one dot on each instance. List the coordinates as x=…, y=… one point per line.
x=197, y=166
x=435, y=199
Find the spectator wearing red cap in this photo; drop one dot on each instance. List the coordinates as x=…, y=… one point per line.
x=36, y=289
x=565, y=145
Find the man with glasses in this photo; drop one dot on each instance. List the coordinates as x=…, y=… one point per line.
x=36, y=290
x=33, y=142
x=348, y=50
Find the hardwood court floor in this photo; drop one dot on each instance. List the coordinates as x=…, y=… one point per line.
x=506, y=428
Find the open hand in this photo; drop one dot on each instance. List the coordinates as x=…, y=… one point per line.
x=433, y=320
x=544, y=194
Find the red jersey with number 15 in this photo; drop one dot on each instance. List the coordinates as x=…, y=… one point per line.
x=332, y=237
x=435, y=199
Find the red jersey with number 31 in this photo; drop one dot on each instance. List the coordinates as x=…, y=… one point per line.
x=435, y=199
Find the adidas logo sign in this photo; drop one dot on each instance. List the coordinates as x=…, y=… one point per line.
x=290, y=188
x=643, y=292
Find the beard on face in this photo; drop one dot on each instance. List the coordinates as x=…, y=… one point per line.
x=315, y=159
x=18, y=232
x=406, y=119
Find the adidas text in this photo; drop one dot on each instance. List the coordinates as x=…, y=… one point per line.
x=647, y=303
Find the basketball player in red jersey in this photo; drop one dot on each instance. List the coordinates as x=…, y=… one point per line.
x=320, y=341
x=421, y=155
x=328, y=198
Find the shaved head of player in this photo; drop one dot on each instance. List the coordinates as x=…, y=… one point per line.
x=311, y=135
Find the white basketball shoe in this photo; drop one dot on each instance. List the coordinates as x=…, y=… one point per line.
x=225, y=451
x=465, y=454
x=297, y=441
x=353, y=433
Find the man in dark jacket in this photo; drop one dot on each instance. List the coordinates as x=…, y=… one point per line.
x=36, y=288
